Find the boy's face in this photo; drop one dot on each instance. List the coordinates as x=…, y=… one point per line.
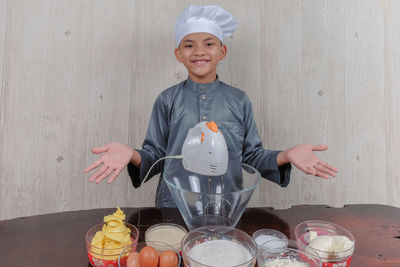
x=201, y=53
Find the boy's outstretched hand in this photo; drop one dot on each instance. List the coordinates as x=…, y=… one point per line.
x=115, y=158
x=303, y=158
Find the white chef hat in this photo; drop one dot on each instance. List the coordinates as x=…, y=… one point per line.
x=211, y=19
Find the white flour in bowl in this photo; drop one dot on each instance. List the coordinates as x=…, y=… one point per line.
x=284, y=263
x=219, y=253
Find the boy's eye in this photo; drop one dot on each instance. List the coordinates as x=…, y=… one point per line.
x=188, y=46
x=210, y=44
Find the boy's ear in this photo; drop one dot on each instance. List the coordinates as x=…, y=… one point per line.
x=224, y=50
x=178, y=55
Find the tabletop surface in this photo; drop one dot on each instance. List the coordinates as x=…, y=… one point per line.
x=58, y=239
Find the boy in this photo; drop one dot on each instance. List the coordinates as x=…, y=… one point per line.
x=199, y=33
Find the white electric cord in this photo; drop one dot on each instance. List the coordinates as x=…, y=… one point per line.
x=167, y=157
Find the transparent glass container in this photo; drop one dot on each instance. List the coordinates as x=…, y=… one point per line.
x=287, y=257
x=263, y=235
x=107, y=257
x=308, y=230
x=211, y=200
x=218, y=246
x=169, y=233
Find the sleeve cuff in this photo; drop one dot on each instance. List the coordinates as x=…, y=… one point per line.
x=284, y=172
x=136, y=173
x=278, y=174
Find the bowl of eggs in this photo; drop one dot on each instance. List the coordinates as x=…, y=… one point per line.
x=149, y=254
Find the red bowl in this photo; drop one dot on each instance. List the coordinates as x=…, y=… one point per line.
x=108, y=257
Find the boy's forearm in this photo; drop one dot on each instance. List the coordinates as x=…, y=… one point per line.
x=136, y=159
x=282, y=158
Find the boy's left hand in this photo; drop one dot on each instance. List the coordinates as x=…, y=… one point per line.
x=303, y=158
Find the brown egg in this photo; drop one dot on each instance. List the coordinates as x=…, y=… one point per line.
x=148, y=257
x=133, y=260
x=168, y=259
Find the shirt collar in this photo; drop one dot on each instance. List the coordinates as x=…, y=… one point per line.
x=202, y=87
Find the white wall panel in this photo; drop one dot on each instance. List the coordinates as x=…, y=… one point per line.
x=24, y=78
x=392, y=97
x=322, y=96
x=3, y=85
x=280, y=69
x=64, y=111
x=365, y=102
x=3, y=23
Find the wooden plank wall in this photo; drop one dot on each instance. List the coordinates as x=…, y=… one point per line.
x=79, y=74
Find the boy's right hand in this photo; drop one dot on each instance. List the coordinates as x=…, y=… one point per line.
x=115, y=158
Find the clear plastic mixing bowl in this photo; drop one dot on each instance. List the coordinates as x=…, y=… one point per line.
x=309, y=230
x=218, y=246
x=272, y=253
x=211, y=200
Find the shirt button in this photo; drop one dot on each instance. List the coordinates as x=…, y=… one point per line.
x=203, y=97
x=204, y=118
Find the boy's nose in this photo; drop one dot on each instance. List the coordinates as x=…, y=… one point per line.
x=199, y=51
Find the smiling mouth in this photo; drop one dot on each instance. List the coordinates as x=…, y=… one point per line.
x=200, y=62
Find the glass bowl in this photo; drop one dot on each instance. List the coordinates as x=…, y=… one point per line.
x=211, y=200
x=159, y=246
x=285, y=257
x=218, y=245
x=107, y=257
x=169, y=233
x=263, y=235
x=307, y=231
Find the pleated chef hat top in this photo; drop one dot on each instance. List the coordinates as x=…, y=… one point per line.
x=210, y=19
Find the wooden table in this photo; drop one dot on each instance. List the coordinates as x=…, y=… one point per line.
x=58, y=239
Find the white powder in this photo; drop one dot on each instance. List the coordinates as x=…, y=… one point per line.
x=219, y=253
x=284, y=263
x=261, y=239
x=270, y=244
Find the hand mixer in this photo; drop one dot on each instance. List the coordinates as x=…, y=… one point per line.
x=204, y=152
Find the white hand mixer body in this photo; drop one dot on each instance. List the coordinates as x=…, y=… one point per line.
x=204, y=151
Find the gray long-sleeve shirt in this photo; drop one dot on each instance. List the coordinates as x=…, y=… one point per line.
x=180, y=107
